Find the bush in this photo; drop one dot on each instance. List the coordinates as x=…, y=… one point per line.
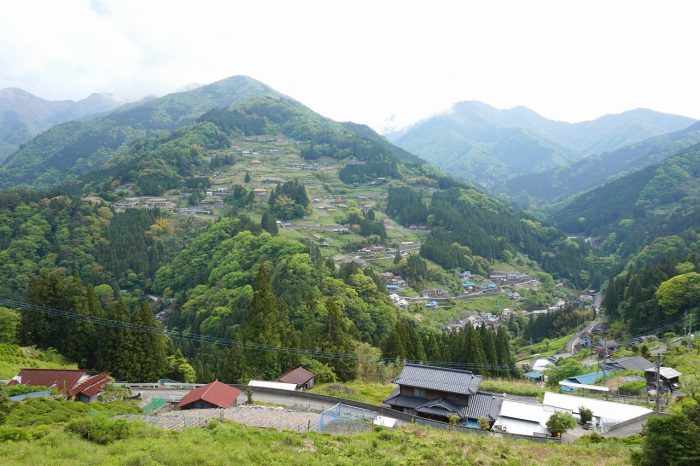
x=453, y=419
x=13, y=390
x=560, y=422
x=484, y=423
x=585, y=414
x=100, y=430
x=632, y=388
x=14, y=434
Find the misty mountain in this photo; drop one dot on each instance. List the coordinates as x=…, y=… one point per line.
x=595, y=170
x=78, y=147
x=24, y=115
x=478, y=142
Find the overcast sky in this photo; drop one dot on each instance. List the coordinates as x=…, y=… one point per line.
x=367, y=61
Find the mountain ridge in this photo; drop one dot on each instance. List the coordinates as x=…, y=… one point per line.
x=79, y=146
x=480, y=143
x=24, y=115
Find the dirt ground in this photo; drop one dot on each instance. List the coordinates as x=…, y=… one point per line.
x=254, y=416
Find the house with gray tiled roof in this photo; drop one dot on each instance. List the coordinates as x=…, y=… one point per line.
x=437, y=392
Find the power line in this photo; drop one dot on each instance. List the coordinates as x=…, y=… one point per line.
x=230, y=343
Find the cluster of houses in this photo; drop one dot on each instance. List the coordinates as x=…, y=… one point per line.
x=445, y=394
x=144, y=203
x=511, y=279
x=220, y=395
x=393, y=282
x=477, y=320
x=429, y=392
x=668, y=378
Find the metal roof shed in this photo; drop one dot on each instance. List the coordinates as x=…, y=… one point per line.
x=268, y=384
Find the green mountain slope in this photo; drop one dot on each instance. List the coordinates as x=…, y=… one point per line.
x=631, y=212
x=595, y=170
x=23, y=115
x=78, y=147
x=489, y=146
x=472, y=144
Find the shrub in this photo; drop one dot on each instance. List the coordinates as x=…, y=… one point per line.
x=632, y=388
x=100, y=429
x=560, y=422
x=14, y=434
x=585, y=414
x=484, y=423
x=453, y=419
x=13, y=390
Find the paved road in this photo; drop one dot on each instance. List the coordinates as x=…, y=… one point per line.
x=571, y=344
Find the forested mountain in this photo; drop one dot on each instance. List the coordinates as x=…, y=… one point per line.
x=470, y=229
x=477, y=142
x=78, y=147
x=23, y=115
x=592, y=171
x=629, y=213
x=473, y=143
x=222, y=264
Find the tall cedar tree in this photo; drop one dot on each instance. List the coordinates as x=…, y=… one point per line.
x=266, y=323
x=336, y=339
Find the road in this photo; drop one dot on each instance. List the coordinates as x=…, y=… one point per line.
x=571, y=344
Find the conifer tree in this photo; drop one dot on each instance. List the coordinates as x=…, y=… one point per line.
x=149, y=347
x=336, y=339
x=268, y=222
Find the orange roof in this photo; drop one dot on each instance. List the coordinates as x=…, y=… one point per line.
x=298, y=376
x=216, y=393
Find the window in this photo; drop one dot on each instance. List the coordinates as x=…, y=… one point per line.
x=419, y=392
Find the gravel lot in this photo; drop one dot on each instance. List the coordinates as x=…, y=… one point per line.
x=254, y=416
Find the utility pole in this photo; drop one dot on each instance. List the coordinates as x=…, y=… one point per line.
x=658, y=378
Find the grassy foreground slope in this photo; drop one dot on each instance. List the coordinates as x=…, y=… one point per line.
x=233, y=444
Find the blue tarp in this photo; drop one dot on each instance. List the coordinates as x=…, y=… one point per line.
x=534, y=375
x=586, y=379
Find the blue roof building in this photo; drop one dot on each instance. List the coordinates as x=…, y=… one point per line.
x=468, y=284
x=431, y=304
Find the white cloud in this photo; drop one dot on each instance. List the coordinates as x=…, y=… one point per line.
x=363, y=60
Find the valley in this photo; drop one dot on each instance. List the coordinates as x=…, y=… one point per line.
x=245, y=236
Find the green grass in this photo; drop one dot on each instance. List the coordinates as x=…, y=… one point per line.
x=224, y=444
x=372, y=393
x=543, y=348
x=511, y=387
x=13, y=358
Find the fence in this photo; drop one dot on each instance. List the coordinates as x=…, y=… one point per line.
x=153, y=405
x=343, y=419
x=24, y=396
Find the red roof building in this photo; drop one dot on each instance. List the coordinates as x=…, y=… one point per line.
x=303, y=379
x=76, y=384
x=212, y=395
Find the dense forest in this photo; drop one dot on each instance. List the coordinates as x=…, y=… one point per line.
x=470, y=229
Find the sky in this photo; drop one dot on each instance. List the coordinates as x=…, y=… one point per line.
x=384, y=63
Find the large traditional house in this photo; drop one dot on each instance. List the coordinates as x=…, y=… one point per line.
x=437, y=392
